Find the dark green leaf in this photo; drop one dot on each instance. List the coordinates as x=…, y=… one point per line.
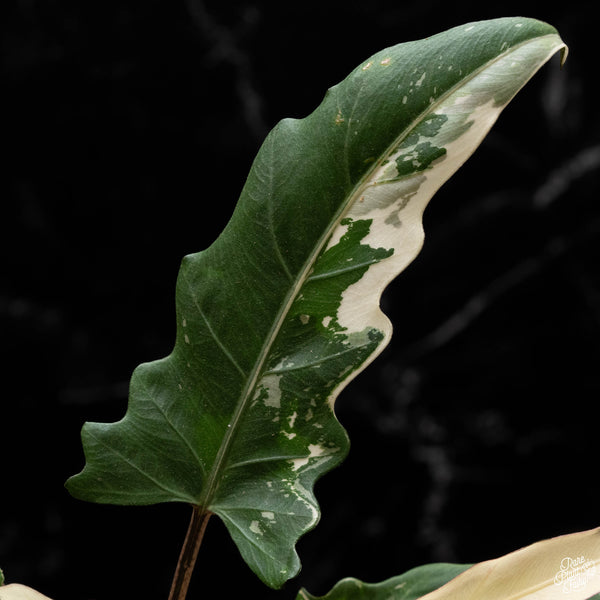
x=282, y=311
x=410, y=586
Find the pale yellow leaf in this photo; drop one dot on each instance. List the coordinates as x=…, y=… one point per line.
x=15, y=591
x=562, y=568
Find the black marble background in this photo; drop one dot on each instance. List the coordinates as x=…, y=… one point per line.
x=129, y=128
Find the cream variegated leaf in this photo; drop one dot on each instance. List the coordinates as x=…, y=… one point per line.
x=16, y=591
x=562, y=568
x=282, y=310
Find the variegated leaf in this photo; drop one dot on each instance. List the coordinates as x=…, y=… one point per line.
x=16, y=591
x=564, y=567
x=410, y=586
x=282, y=311
x=567, y=566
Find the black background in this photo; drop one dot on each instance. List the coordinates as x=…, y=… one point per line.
x=130, y=128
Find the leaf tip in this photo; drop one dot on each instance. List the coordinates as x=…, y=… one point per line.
x=564, y=53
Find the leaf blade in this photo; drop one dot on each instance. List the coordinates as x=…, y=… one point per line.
x=411, y=585
x=282, y=311
x=16, y=591
x=552, y=569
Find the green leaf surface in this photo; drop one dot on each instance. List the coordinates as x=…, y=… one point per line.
x=566, y=566
x=282, y=310
x=410, y=586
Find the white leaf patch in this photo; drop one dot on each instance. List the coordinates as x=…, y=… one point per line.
x=314, y=451
x=395, y=203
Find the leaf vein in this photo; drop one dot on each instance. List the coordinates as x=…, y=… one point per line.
x=170, y=423
x=324, y=359
x=212, y=332
x=255, y=543
x=132, y=464
x=265, y=459
x=336, y=272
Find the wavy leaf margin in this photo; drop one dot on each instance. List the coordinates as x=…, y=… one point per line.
x=282, y=311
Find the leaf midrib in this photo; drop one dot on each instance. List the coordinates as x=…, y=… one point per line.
x=213, y=478
x=257, y=371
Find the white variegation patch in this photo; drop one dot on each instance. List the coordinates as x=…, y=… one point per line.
x=256, y=528
x=314, y=451
x=395, y=205
x=269, y=391
x=292, y=419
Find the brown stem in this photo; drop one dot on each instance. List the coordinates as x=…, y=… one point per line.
x=189, y=553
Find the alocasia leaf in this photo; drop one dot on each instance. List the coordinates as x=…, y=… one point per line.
x=15, y=591
x=282, y=310
x=567, y=566
x=409, y=586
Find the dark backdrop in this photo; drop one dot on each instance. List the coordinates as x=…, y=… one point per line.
x=130, y=127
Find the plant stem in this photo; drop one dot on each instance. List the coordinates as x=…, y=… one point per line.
x=189, y=553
